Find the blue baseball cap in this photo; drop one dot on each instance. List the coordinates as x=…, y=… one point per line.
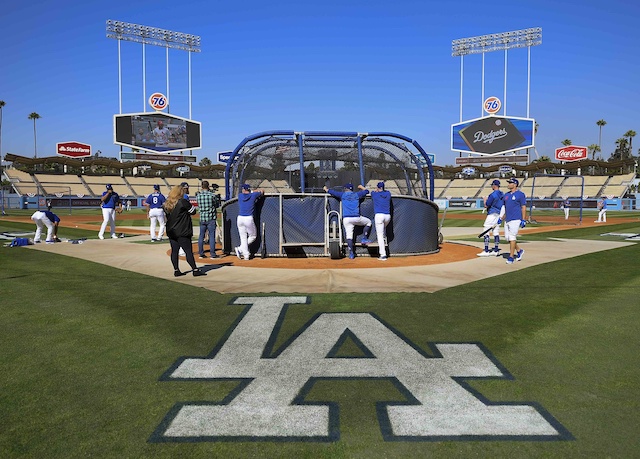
x=184, y=185
x=348, y=186
x=246, y=186
x=156, y=187
x=109, y=187
x=496, y=183
x=514, y=180
x=381, y=185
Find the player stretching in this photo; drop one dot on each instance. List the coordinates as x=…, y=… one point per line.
x=382, y=210
x=515, y=217
x=351, y=214
x=494, y=206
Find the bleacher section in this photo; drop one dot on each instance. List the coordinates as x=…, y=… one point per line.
x=572, y=186
x=544, y=187
x=440, y=187
x=143, y=186
x=618, y=185
x=69, y=184
x=465, y=188
x=22, y=182
x=97, y=184
x=282, y=186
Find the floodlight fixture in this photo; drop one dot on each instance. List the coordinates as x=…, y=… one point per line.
x=126, y=31
x=523, y=38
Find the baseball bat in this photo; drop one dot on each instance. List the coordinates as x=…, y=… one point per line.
x=264, y=243
x=487, y=230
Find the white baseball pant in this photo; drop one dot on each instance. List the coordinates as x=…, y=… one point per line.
x=108, y=217
x=248, y=234
x=489, y=221
x=511, y=230
x=40, y=219
x=157, y=217
x=382, y=220
x=351, y=222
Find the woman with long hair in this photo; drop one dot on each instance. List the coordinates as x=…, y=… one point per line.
x=180, y=229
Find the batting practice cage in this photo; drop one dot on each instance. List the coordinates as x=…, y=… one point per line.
x=296, y=218
x=558, y=199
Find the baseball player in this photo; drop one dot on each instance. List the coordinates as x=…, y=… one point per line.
x=48, y=219
x=155, y=213
x=382, y=209
x=566, y=205
x=246, y=225
x=514, y=214
x=493, y=205
x=602, y=211
x=351, y=214
x=110, y=205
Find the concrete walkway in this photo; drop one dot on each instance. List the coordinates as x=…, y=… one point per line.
x=227, y=277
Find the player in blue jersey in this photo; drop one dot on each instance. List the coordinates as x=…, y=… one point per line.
x=602, y=211
x=246, y=225
x=514, y=214
x=110, y=203
x=382, y=210
x=155, y=213
x=50, y=220
x=493, y=205
x=351, y=214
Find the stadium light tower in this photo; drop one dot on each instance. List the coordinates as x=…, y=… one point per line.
x=525, y=38
x=146, y=35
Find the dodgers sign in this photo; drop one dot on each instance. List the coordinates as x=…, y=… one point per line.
x=492, y=135
x=269, y=403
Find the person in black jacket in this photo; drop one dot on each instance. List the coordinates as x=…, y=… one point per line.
x=180, y=229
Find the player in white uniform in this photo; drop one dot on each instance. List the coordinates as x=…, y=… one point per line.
x=155, y=213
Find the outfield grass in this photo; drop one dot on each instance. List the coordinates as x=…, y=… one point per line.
x=84, y=345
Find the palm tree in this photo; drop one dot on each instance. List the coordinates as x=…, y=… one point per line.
x=631, y=135
x=566, y=142
x=600, y=123
x=34, y=116
x=594, y=148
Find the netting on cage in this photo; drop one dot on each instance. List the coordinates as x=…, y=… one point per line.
x=273, y=161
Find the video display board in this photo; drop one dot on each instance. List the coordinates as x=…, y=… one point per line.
x=156, y=132
x=493, y=135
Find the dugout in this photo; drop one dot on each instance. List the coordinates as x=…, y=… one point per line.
x=296, y=217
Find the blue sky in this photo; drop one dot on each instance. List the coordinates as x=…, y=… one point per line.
x=349, y=65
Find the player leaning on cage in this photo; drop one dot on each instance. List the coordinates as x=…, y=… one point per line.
x=493, y=205
x=514, y=214
x=351, y=214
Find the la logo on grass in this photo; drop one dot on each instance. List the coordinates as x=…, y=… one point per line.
x=270, y=404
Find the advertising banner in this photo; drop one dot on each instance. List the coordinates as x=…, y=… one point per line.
x=571, y=153
x=493, y=135
x=73, y=149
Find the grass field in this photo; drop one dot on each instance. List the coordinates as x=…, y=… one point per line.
x=85, y=346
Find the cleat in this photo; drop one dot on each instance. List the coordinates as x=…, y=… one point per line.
x=496, y=252
x=365, y=241
x=214, y=255
x=485, y=253
x=197, y=272
x=100, y=236
x=510, y=260
x=352, y=255
x=519, y=254
x=238, y=254
x=153, y=240
x=382, y=258
x=202, y=256
x=50, y=242
x=114, y=236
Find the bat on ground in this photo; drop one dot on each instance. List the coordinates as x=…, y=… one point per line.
x=264, y=243
x=487, y=230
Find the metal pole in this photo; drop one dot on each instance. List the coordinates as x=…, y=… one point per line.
x=461, y=83
x=144, y=79
x=190, y=85
x=119, y=79
x=504, y=106
x=482, y=100
x=528, y=78
x=168, y=98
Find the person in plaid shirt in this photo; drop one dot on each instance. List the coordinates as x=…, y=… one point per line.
x=207, y=203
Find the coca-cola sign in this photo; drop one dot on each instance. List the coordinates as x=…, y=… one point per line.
x=571, y=153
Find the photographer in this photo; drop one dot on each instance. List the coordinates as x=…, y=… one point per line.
x=208, y=202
